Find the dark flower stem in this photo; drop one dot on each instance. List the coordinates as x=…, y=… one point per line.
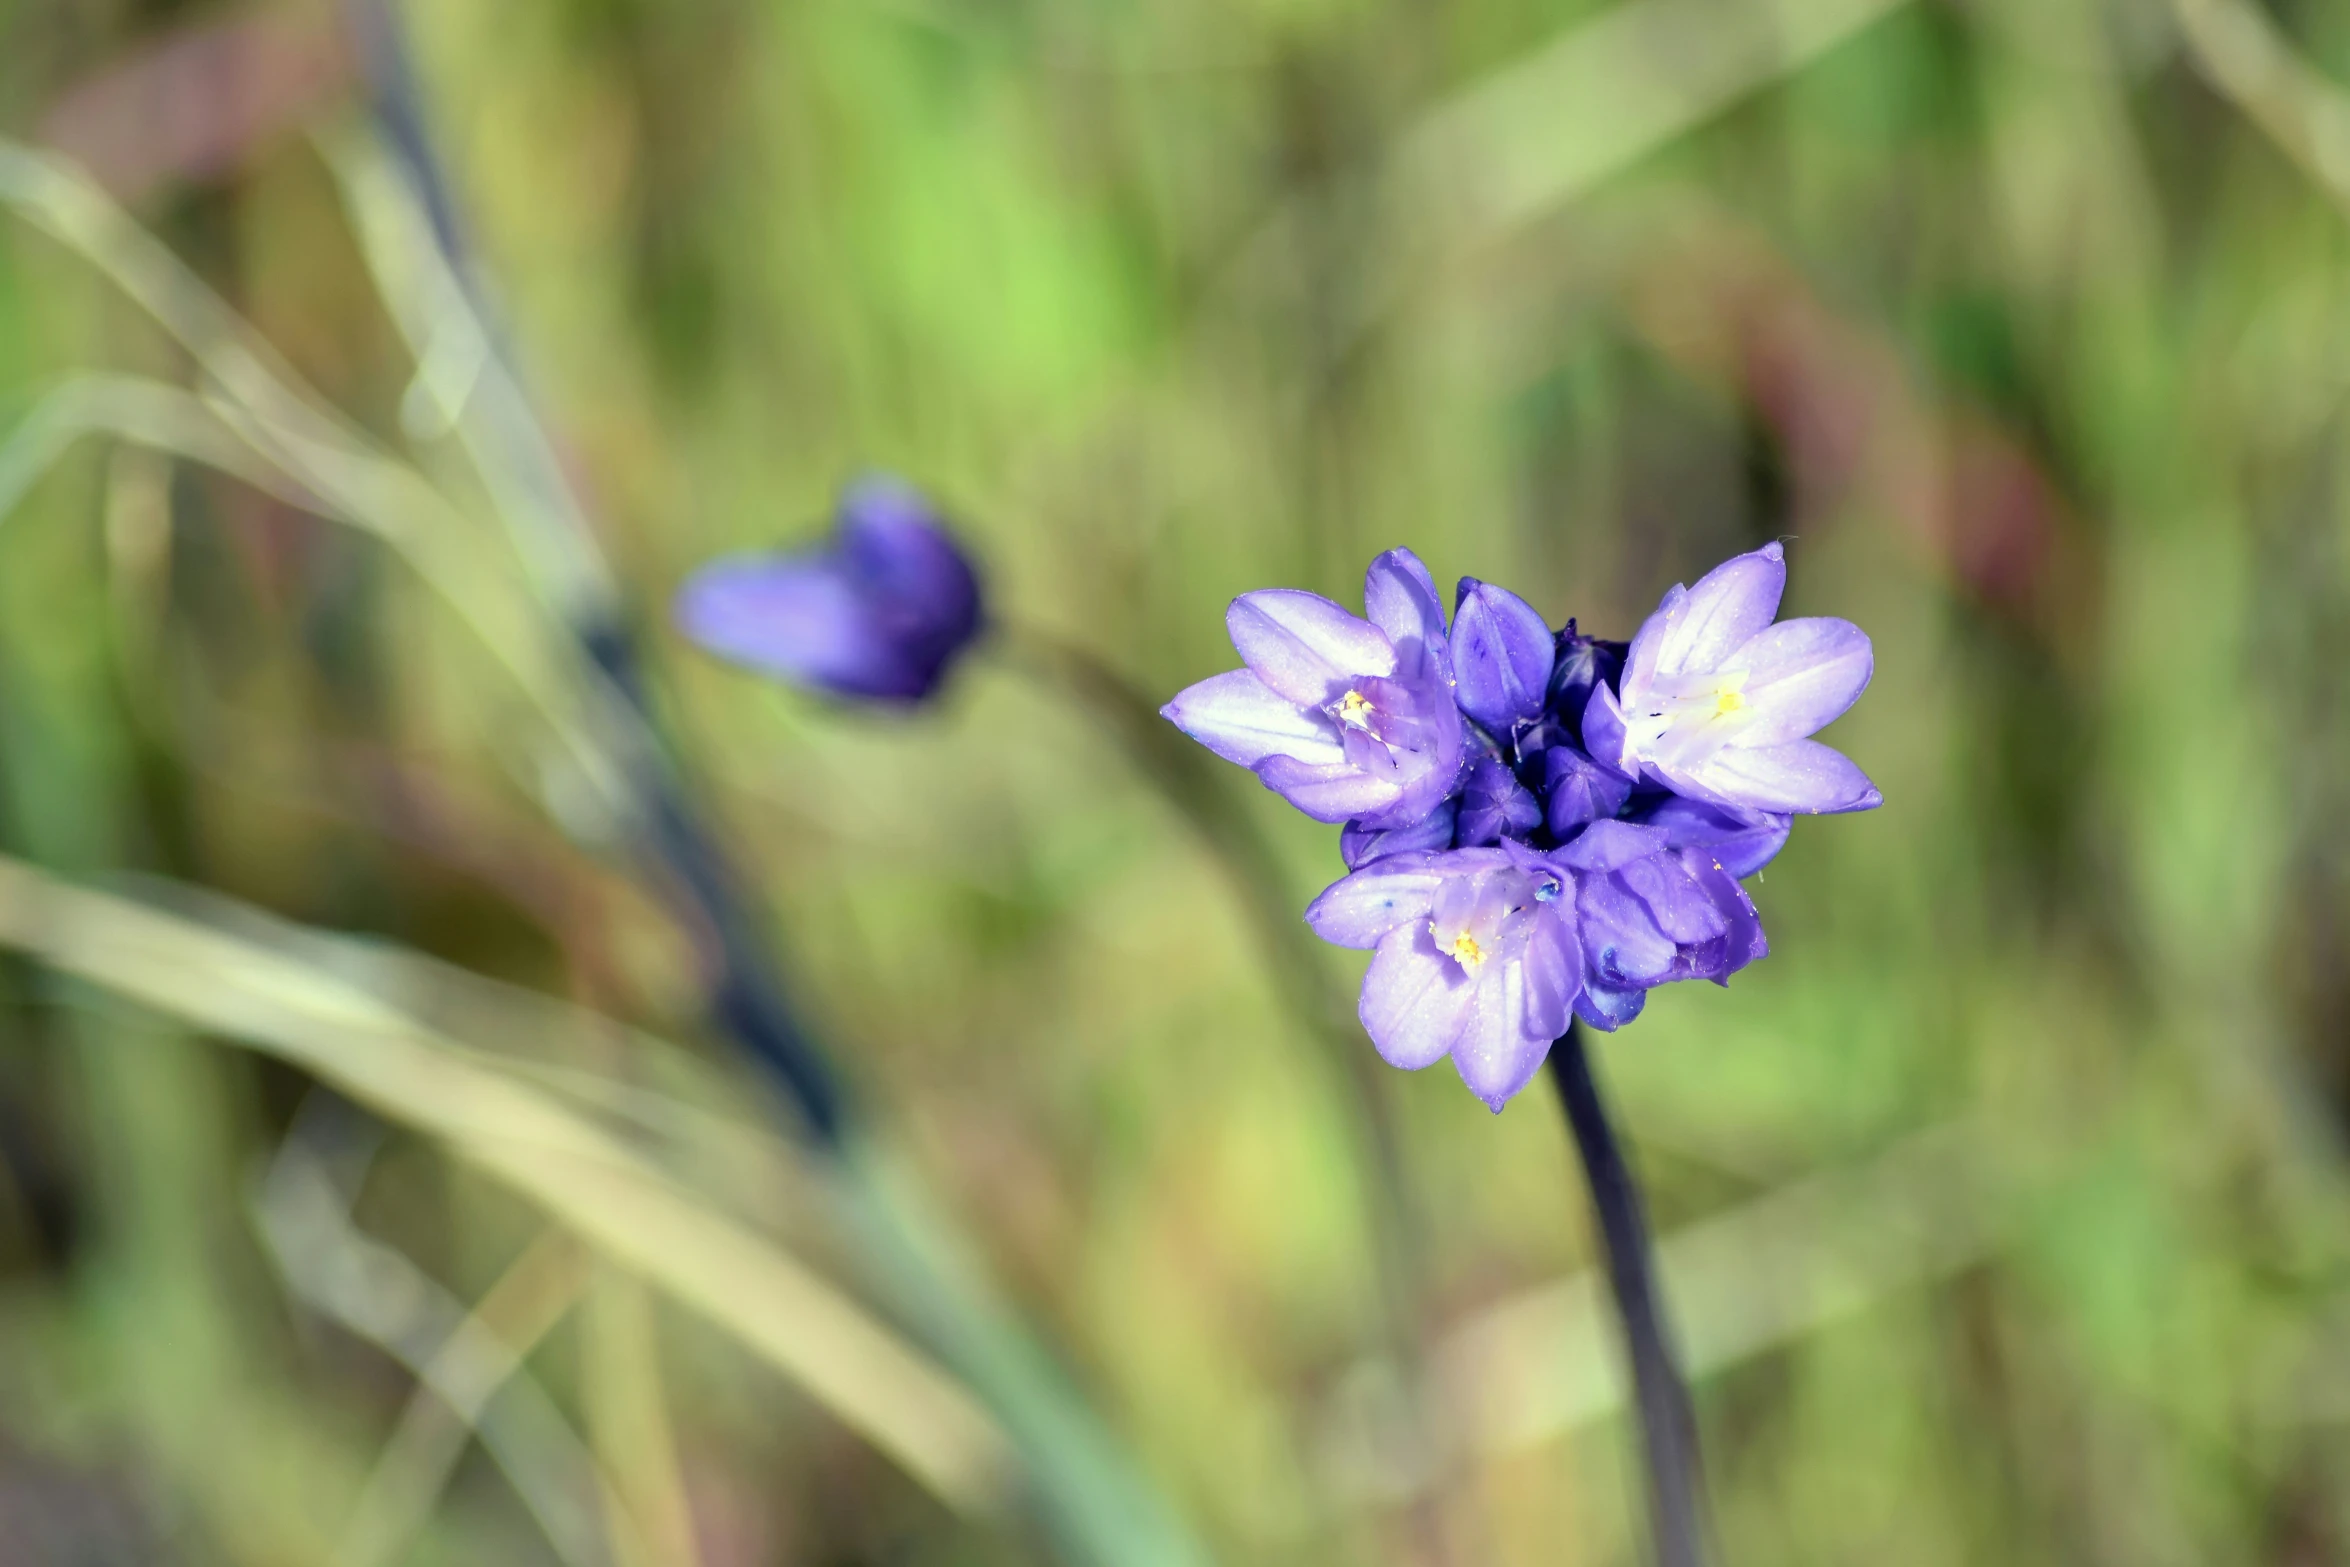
x=1668, y=1428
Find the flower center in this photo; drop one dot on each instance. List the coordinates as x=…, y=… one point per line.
x=1355, y=710
x=1465, y=951
x=1728, y=702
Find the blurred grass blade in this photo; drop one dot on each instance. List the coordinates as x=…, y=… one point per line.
x=1751, y=1280
x=463, y=384
x=467, y=1375
x=264, y=402
x=1605, y=94
x=858, y=1369
x=2240, y=50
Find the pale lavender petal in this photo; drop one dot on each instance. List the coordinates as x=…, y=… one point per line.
x=798, y=618
x=1400, y=599
x=1359, y=845
x=1621, y=943
x=1729, y=604
x=1328, y=793
x=1745, y=941
x=1304, y=646
x=1604, y=735
x=1740, y=841
x=1494, y=1054
x=1554, y=971
x=1501, y=655
x=1238, y=717
x=1640, y=659
x=1361, y=910
x=1682, y=906
x=1802, y=776
x=1803, y=675
x=1414, y=1000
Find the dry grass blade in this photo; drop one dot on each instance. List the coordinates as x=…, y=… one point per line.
x=858, y=1369
x=1761, y=1276
x=2238, y=47
x=1600, y=97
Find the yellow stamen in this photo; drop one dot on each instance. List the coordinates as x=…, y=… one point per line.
x=1465, y=951
x=1354, y=710
x=1728, y=702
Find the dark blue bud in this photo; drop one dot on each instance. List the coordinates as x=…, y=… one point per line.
x=1359, y=845
x=1577, y=791
x=1578, y=664
x=1494, y=806
x=1501, y=655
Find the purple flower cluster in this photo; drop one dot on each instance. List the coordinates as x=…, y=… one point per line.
x=1536, y=823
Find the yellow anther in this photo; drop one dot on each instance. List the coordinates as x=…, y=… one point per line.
x=1354, y=710
x=1728, y=702
x=1467, y=953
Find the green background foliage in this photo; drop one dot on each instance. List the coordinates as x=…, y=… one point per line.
x=2025, y=322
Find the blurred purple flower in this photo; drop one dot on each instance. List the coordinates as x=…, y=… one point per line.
x=1350, y=720
x=878, y=613
x=1716, y=702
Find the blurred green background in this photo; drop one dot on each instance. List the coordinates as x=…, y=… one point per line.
x=2006, y=1210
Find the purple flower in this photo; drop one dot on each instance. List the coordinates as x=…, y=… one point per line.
x=879, y=612
x=1649, y=914
x=1716, y=702
x=1481, y=953
x=1475, y=957
x=1345, y=718
x=1501, y=656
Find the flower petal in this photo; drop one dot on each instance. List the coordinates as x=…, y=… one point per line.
x=1494, y=1054
x=1682, y=906
x=1328, y=792
x=1239, y=718
x=1640, y=659
x=1607, y=846
x=1577, y=790
x=794, y=617
x=1400, y=599
x=1740, y=841
x=1554, y=972
x=1730, y=604
x=1802, y=776
x=901, y=558
x=1804, y=674
x=1608, y=1009
x=1359, y=844
x=1414, y=999
x=1361, y=910
x=1501, y=655
x=1304, y=646
x=1604, y=734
